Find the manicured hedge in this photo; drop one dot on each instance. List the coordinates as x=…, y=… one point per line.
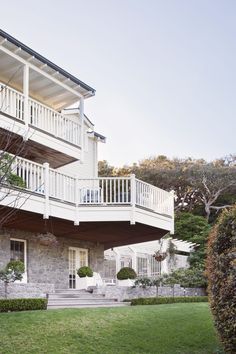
x=221, y=272
x=167, y=300
x=7, y=305
x=126, y=273
x=85, y=272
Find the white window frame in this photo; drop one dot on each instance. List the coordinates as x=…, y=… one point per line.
x=24, y=280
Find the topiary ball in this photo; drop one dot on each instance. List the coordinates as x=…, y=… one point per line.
x=85, y=272
x=221, y=273
x=126, y=273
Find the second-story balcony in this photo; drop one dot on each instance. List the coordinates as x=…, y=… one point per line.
x=34, y=93
x=104, y=199
x=59, y=134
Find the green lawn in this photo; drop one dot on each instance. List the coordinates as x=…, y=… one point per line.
x=160, y=329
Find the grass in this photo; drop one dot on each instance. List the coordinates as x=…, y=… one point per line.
x=163, y=329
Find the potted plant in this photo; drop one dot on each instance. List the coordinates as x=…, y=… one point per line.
x=86, y=278
x=126, y=276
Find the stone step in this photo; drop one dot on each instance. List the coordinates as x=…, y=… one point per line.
x=75, y=296
x=88, y=305
x=79, y=301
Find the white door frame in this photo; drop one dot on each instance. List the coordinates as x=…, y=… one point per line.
x=77, y=262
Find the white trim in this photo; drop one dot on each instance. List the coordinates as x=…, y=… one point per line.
x=24, y=280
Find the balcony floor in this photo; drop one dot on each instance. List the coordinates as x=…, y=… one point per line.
x=110, y=234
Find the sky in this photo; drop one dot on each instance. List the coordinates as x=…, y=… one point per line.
x=163, y=70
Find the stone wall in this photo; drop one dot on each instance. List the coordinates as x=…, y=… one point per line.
x=29, y=290
x=124, y=292
x=47, y=264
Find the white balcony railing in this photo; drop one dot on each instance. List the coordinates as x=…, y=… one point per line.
x=102, y=191
x=40, y=116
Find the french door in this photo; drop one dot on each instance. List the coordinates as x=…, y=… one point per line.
x=78, y=257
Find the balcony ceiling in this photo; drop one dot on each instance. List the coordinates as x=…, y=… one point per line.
x=110, y=234
x=48, y=83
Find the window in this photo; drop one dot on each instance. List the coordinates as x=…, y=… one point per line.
x=18, y=250
x=155, y=266
x=142, y=266
x=18, y=253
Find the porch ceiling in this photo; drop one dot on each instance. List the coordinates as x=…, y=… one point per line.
x=110, y=234
x=48, y=83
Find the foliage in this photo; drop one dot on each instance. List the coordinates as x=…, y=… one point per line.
x=193, y=228
x=143, y=282
x=7, y=305
x=167, y=300
x=126, y=273
x=12, y=272
x=167, y=329
x=16, y=181
x=221, y=272
x=187, y=278
x=85, y=272
x=6, y=174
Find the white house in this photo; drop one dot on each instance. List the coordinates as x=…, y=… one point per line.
x=140, y=257
x=54, y=151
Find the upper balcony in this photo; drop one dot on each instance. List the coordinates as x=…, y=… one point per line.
x=33, y=94
x=55, y=195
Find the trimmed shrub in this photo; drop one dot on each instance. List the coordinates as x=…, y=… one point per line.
x=126, y=273
x=143, y=282
x=167, y=300
x=85, y=272
x=8, y=305
x=221, y=273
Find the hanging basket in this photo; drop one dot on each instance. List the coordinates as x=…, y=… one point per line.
x=160, y=256
x=47, y=239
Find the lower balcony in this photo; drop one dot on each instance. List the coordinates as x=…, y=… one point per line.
x=125, y=203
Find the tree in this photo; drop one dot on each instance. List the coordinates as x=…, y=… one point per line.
x=104, y=169
x=198, y=185
x=211, y=181
x=195, y=229
x=13, y=271
x=221, y=273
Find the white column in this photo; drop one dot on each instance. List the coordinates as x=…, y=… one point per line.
x=81, y=109
x=134, y=259
x=133, y=199
x=117, y=253
x=77, y=196
x=46, y=190
x=26, y=99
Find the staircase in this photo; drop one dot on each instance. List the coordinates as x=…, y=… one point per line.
x=80, y=299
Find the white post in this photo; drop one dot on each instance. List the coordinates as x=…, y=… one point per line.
x=26, y=99
x=77, y=196
x=172, y=231
x=134, y=259
x=81, y=109
x=133, y=198
x=46, y=190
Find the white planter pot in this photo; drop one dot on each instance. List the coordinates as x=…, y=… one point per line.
x=126, y=282
x=84, y=283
